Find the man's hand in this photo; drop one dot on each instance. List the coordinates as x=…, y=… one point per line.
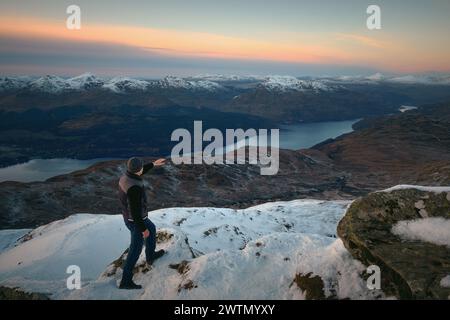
x=159, y=162
x=146, y=234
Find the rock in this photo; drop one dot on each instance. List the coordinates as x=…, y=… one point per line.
x=182, y=267
x=16, y=294
x=409, y=269
x=313, y=287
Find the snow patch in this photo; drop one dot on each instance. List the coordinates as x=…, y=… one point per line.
x=420, y=188
x=445, y=282
x=406, y=108
x=434, y=230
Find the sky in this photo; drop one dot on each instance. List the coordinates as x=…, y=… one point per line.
x=152, y=39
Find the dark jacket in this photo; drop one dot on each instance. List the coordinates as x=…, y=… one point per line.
x=133, y=197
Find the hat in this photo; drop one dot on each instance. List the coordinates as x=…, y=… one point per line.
x=134, y=165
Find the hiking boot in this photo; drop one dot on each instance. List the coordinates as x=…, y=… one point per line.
x=130, y=286
x=156, y=255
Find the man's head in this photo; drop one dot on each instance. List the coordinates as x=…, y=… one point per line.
x=135, y=165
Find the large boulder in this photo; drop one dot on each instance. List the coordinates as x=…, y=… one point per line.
x=410, y=269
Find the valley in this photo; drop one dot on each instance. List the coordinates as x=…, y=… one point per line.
x=407, y=148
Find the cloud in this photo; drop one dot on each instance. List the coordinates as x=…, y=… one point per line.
x=175, y=42
x=33, y=56
x=362, y=40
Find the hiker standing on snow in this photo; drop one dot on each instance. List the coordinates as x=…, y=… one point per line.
x=134, y=209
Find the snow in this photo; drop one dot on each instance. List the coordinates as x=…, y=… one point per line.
x=424, y=79
x=420, y=188
x=88, y=81
x=427, y=79
x=125, y=84
x=434, y=230
x=253, y=253
x=376, y=77
x=49, y=84
x=13, y=83
x=180, y=83
x=445, y=282
x=85, y=81
x=209, y=82
x=406, y=108
x=39, y=264
x=285, y=83
x=227, y=78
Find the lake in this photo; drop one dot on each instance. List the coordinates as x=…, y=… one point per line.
x=42, y=169
x=306, y=135
x=293, y=137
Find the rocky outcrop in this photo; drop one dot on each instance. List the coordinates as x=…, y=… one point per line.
x=409, y=269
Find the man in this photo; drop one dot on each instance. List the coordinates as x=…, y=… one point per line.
x=133, y=198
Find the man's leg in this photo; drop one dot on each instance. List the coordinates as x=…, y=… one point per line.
x=134, y=252
x=150, y=242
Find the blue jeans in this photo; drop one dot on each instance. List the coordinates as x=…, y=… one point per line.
x=137, y=241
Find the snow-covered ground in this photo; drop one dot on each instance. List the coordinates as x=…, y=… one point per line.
x=253, y=253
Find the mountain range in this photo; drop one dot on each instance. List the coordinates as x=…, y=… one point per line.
x=88, y=81
x=87, y=117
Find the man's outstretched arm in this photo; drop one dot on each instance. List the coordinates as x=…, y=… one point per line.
x=151, y=165
x=148, y=167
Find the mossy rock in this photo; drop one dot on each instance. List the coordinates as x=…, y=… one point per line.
x=409, y=269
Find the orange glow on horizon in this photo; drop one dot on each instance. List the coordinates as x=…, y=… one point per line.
x=346, y=49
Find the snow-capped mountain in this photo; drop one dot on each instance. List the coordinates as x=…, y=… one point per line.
x=208, y=83
x=424, y=79
x=285, y=83
x=49, y=84
x=227, y=78
x=85, y=81
x=376, y=77
x=13, y=83
x=171, y=82
x=213, y=253
x=125, y=84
